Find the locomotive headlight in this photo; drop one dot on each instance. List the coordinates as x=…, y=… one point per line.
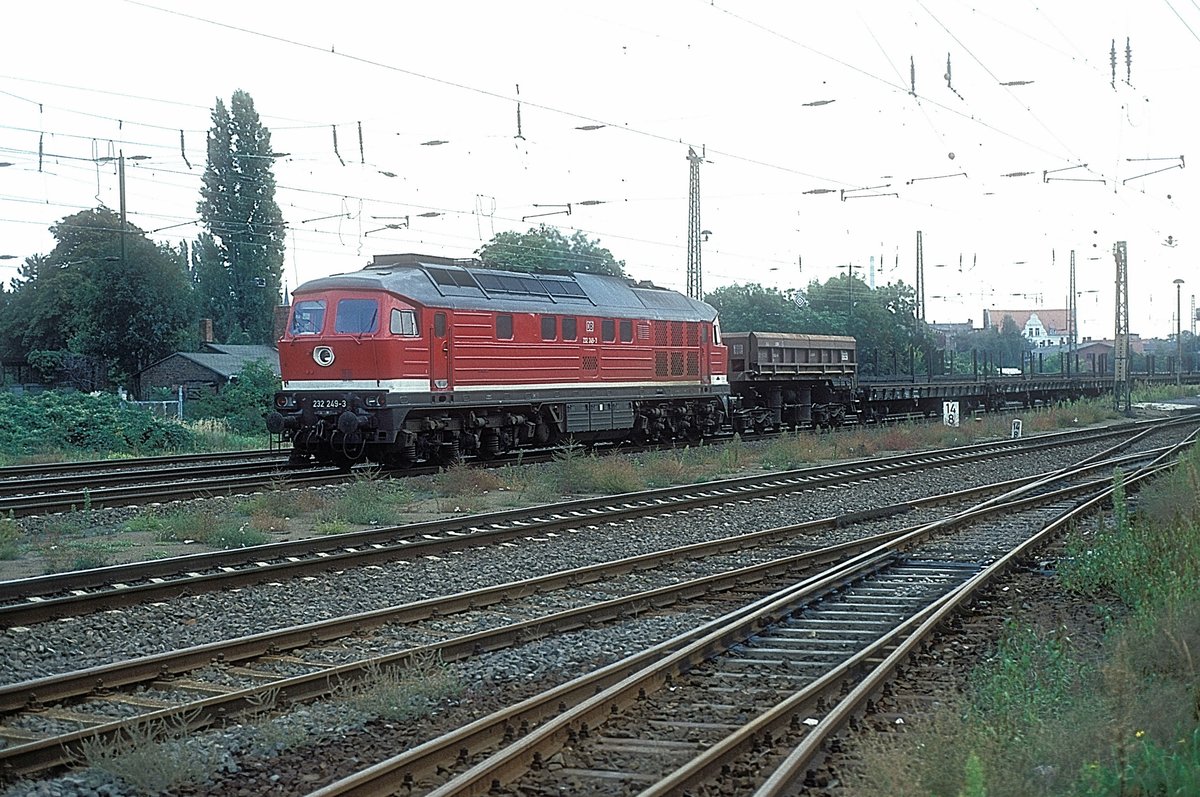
x=323, y=356
x=284, y=400
x=373, y=401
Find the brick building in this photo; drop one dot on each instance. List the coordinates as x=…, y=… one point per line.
x=204, y=371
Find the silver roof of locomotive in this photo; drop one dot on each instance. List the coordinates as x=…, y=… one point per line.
x=443, y=282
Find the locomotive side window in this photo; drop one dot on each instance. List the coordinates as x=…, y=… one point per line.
x=504, y=327
x=439, y=325
x=570, y=328
x=549, y=327
x=356, y=317
x=626, y=331
x=608, y=330
x=308, y=317
x=404, y=322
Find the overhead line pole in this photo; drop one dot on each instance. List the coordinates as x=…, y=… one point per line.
x=1072, y=319
x=694, y=288
x=1121, y=382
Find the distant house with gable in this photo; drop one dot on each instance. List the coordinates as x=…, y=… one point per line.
x=1041, y=327
x=204, y=371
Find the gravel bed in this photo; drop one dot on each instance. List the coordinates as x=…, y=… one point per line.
x=530, y=667
x=77, y=642
x=251, y=763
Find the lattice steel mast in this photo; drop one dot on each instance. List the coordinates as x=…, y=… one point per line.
x=1121, y=382
x=694, y=288
x=920, y=279
x=1072, y=320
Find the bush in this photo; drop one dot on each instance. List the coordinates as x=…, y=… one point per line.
x=242, y=403
x=84, y=423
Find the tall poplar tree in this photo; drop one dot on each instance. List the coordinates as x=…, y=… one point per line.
x=239, y=269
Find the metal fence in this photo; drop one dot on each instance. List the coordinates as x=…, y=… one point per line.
x=163, y=409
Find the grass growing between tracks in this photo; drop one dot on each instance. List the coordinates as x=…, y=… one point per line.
x=158, y=757
x=373, y=500
x=1048, y=715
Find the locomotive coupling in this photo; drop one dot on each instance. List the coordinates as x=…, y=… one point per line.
x=350, y=422
x=276, y=423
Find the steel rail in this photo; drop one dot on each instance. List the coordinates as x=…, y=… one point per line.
x=45, y=597
x=89, y=465
x=39, y=485
x=84, y=579
x=59, y=687
x=786, y=776
x=556, y=723
x=35, y=756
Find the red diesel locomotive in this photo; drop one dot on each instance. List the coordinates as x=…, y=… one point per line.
x=427, y=358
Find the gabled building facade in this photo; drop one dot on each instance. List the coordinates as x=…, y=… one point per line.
x=1041, y=327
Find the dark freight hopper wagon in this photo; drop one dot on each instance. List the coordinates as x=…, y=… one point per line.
x=780, y=379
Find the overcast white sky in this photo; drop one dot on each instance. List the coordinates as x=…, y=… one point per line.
x=86, y=79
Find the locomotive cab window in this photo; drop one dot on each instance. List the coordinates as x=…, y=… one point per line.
x=608, y=330
x=504, y=327
x=549, y=327
x=570, y=328
x=356, y=317
x=626, y=331
x=404, y=322
x=308, y=317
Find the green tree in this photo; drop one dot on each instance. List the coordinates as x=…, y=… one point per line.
x=45, y=296
x=240, y=265
x=1001, y=348
x=243, y=402
x=756, y=308
x=87, y=300
x=82, y=314
x=882, y=320
x=547, y=249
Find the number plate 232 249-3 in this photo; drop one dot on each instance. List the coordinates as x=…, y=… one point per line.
x=329, y=404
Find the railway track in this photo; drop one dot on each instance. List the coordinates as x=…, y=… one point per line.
x=45, y=469
x=293, y=665
x=32, y=600
x=270, y=660
x=744, y=704
x=99, y=484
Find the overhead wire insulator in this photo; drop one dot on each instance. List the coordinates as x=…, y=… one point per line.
x=335, y=146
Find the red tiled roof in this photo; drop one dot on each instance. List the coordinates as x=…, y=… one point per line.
x=1056, y=322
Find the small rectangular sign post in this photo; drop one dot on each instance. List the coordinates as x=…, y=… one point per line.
x=950, y=413
x=1016, y=428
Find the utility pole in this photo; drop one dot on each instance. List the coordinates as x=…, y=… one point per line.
x=1178, y=332
x=694, y=288
x=121, y=188
x=920, y=279
x=1072, y=319
x=1121, y=383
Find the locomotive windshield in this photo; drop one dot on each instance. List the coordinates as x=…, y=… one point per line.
x=308, y=317
x=356, y=316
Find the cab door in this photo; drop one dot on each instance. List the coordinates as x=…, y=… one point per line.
x=440, y=353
